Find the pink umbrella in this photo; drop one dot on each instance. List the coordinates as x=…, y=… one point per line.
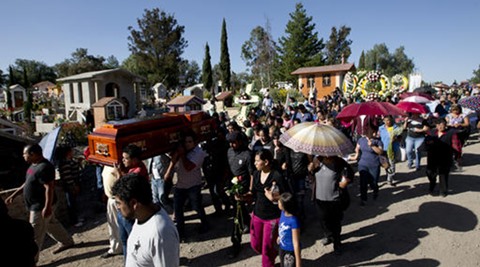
x=408, y=94
x=412, y=107
x=369, y=109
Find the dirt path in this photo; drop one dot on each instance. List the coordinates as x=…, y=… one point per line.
x=404, y=227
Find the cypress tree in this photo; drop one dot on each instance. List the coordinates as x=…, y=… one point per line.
x=207, y=76
x=225, y=59
x=361, y=61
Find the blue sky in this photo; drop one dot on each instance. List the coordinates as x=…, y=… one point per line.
x=441, y=36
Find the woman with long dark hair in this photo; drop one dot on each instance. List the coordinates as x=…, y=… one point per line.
x=266, y=187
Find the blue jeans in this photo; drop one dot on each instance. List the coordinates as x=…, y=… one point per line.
x=368, y=176
x=194, y=194
x=124, y=230
x=412, y=144
x=157, y=190
x=98, y=174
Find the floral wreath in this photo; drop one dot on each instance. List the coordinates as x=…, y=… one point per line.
x=373, y=84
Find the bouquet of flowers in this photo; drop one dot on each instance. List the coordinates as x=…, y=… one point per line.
x=236, y=186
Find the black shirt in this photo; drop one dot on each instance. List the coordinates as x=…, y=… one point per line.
x=241, y=164
x=298, y=165
x=259, y=146
x=439, y=150
x=34, y=190
x=264, y=208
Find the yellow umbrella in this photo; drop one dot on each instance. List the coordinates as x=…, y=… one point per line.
x=316, y=139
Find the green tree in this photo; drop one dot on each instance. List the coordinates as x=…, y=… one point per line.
x=476, y=76
x=379, y=58
x=338, y=46
x=216, y=73
x=80, y=62
x=207, y=76
x=260, y=55
x=37, y=71
x=401, y=63
x=3, y=79
x=239, y=80
x=301, y=46
x=158, y=45
x=226, y=74
x=190, y=72
x=111, y=62
x=131, y=64
x=361, y=61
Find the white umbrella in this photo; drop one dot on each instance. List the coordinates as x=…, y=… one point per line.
x=49, y=142
x=417, y=99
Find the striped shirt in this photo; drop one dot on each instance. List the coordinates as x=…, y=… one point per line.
x=69, y=171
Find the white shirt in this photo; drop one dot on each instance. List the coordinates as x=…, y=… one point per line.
x=154, y=243
x=188, y=179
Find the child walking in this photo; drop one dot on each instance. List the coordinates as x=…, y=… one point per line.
x=289, y=232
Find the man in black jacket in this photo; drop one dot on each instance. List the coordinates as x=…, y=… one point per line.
x=241, y=166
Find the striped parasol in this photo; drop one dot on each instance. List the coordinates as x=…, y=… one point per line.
x=316, y=139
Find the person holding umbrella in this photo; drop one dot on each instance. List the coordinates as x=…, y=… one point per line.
x=367, y=153
x=416, y=127
x=332, y=175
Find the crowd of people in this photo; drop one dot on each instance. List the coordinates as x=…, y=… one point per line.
x=270, y=184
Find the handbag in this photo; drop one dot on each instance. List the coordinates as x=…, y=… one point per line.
x=384, y=162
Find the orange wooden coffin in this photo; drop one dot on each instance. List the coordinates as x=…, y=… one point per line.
x=155, y=135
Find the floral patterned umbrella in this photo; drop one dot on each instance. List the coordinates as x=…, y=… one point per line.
x=316, y=139
x=472, y=102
